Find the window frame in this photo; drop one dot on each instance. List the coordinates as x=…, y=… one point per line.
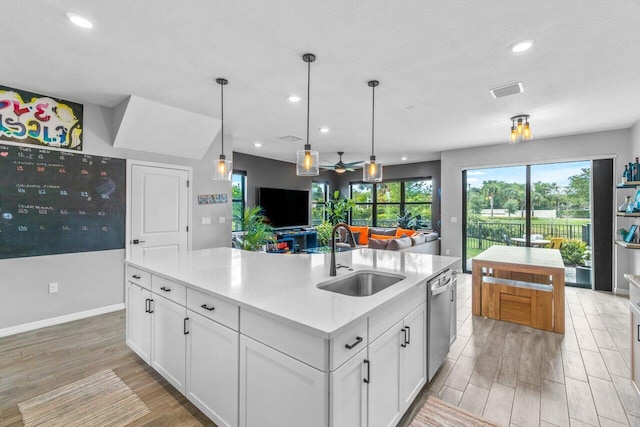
x=243, y=200
x=315, y=204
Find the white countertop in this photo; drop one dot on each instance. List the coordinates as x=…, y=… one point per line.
x=284, y=285
x=634, y=279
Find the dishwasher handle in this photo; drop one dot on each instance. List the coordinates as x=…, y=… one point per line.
x=436, y=290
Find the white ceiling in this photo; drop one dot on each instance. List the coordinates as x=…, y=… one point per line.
x=436, y=61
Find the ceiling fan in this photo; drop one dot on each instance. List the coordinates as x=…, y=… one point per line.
x=341, y=167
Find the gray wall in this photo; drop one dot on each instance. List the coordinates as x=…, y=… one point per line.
x=262, y=172
x=633, y=255
x=409, y=170
x=575, y=147
x=92, y=280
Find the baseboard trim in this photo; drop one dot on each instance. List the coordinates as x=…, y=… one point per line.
x=26, y=327
x=621, y=292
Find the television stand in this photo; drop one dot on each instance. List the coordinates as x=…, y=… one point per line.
x=298, y=240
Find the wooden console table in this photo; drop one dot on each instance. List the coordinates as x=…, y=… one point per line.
x=520, y=285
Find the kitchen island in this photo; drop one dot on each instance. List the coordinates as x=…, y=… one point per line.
x=251, y=340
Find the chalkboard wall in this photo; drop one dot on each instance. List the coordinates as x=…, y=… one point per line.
x=54, y=202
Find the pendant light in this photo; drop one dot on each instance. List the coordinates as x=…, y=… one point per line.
x=223, y=167
x=307, y=161
x=372, y=171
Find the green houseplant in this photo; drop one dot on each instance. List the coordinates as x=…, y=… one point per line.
x=409, y=222
x=257, y=232
x=338, y=208
x=324, y=233
x=574, y=252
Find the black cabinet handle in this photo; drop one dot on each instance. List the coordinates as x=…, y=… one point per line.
x=451, y=295
x=150, y=308
x=408, y=334
x=638, y=332
x=186, y=319
x=404, y=340
x=357, y=341
x=164, y=288
x=368, y=379
x=147, y=305
x=135, y=276
x=206, y=307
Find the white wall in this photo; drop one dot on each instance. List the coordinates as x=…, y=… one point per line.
x=91, y=280
x=634, y=255
x=574, y=147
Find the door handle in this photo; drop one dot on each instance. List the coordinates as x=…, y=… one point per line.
x=368, y=379
x=355, y=343
x=137, y=242
x=135, y=276
x=186, y=319
x=404, y=344
x=150, y=307
x=206, y=307
x=147, y=305
x=408, y=334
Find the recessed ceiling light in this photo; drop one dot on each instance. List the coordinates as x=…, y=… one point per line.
x=324, y=129
x=257, y=144
x=403, y=158
x=79, y=21
x=294, y=98
x=522, y=46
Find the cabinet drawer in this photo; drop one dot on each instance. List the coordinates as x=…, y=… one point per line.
x=214, y=308
x=139, y=277
x=170, y=290
x=347, y=344
x=381, y=321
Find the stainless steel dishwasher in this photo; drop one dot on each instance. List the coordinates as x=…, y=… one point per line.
x=438, y=329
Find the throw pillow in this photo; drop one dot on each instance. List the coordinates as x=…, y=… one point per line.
x=418, y=239
x=401, y=243
x=404, y=232
x=378, y=243
x=381, y=237
x=364, y=233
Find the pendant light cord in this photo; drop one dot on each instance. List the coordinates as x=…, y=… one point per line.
x=308, y=97
x=373, y=118
x=222, y=115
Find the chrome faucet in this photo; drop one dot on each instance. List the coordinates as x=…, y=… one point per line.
x=352, y=243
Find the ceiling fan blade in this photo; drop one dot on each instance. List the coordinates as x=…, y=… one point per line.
x=350, y=170
x=354, y=164
x=327, y=168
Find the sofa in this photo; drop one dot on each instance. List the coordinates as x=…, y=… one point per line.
x=392, y=238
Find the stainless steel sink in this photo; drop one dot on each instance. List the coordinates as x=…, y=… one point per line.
x=361, y=283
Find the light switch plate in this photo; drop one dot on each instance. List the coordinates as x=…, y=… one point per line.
x=454, y=219
x=53, y=287
x=206, y=220
x=222, y=220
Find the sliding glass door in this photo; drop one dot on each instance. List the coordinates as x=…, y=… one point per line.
x=545, y=206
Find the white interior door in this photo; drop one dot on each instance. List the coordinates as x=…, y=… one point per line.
x=159, y=210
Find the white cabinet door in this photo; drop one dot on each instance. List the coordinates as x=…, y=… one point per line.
x=349, y=393
x=453, y=325
x=279, y=391
x=169, y=343
x=635, y=347
x=139, y=321
x=414, y=355
x=384, y=382
x=212, y=369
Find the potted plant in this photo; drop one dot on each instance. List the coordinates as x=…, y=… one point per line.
x=257, y=232
x=324, y=233
x=575, y=253
x=339, y=208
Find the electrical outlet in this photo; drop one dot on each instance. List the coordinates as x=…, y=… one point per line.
x=454, y=219
x=222, y=220
x=206, y=220
x=446, y=251
x=53, y=287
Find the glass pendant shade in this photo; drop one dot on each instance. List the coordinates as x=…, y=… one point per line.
x=307, y=162
x=520, y=129
x=372, y=171
x=222, y=169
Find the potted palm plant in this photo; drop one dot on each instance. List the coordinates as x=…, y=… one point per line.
x=257, y=231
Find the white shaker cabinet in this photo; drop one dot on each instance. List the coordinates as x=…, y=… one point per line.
x=212, y=369
x=384, y=380
x=635, y=344
x=349, y=392
x=414, y=355
x=139, y=318
x=168, y=355
x=277, y=390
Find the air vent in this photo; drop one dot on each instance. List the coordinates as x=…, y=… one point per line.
x=290, y=138
x=512, y=89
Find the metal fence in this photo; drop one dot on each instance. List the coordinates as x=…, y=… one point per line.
x=486, y=234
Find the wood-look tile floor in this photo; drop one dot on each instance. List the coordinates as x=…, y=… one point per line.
x=514, y=375
x=518, y=376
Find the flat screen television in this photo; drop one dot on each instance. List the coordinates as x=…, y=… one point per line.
x=285, y=208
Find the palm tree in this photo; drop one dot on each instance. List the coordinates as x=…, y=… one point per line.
x=490, y=189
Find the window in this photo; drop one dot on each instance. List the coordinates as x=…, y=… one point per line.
x=238, y=197
x=319, y=191
x=380, y=205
